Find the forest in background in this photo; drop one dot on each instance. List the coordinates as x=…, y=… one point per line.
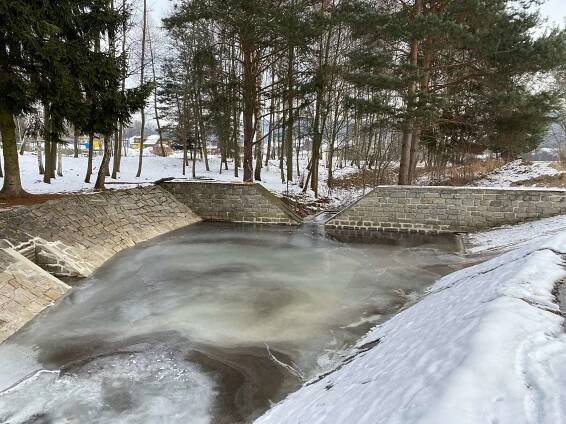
x=379, y=84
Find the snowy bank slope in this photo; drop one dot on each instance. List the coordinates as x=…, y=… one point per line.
x=516, y=171
x=512, y=236
x=487, y=345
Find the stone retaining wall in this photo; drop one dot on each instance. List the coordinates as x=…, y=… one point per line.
x=88, y=229
x=25, y=290
x=72, y=237
x=232, y=202
x=446, y=209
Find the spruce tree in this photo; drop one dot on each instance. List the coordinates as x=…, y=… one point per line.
x=46, y=57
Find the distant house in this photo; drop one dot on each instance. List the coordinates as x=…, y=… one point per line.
x=151, y=141
x=84, y=142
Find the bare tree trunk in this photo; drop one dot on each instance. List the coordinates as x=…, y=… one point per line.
x=249, y=100
x=53, y=158
x=194, y=168
x=104, y=170
x=151, y=53
x=405, y=165
x=258, y=145
x=424, y=87
x=90, y=157
x=331, y=145
x=12, y=186
x=236, y=141
x=23, y=146
x=185, y=156
x=118, y=143
x=316, y=145
x=298, y=145
x=291, y=116
x=76, y=143
x=282, y=144
x=59, y=161
x=271, y=120
x=144, y=31
x=48, y=147
x=91, y=134
x=201, y=128
x=321, y=108
x=99, y=185
x=39, y=157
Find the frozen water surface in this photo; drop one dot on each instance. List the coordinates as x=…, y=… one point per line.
x=210, y=324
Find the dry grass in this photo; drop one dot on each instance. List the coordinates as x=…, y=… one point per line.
x=559, y=166
x=546, y=181
x=303, y=206
x=363, y=179
x=460, y=175
x=30, y=199
x=455, y=175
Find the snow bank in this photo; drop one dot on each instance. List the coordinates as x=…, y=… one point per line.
x=516, y=171
x=486, y=345
x=513, y=236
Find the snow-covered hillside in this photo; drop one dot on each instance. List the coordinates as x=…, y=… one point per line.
x=486, y=345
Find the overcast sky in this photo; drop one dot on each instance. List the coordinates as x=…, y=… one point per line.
x=554, y=10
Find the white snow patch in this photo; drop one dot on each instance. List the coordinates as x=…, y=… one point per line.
x=486, y=345
x=516, y=171
x=156, y=167
x=511, y=236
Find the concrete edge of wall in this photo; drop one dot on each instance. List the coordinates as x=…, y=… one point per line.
x=470, y=188
x=279, y=203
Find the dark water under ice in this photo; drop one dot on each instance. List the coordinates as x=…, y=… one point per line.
x=194, y=327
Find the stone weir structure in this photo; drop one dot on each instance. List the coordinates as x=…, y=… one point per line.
x=233, y=202
x=74, y=235
x=440, y=210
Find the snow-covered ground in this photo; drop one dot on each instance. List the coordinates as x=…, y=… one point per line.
x=486, y=345
x=513, y=236
x=516, y=171
x=155, y=168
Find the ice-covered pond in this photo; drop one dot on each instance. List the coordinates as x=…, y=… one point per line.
x=210, y=324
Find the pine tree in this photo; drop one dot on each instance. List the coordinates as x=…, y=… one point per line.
x=254, y=25
x=462, y=77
